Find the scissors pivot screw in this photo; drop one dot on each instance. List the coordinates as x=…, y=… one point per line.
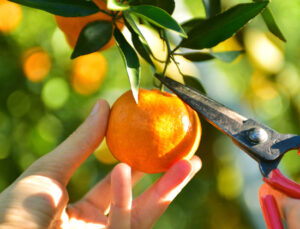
x=258, y=135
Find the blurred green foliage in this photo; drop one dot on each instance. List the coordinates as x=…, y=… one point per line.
x=264, y=84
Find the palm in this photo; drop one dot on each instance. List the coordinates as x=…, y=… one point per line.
x=39, y=199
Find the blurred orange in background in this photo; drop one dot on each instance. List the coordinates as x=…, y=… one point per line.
x=37, y=64
x=10, y=16
x=88, y=73
x=72, y=26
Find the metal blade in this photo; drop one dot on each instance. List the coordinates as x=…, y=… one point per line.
x=262, y=143
x=223, y=118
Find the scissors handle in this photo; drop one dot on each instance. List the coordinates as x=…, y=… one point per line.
x=278, y=181
x=268, y=203
x=270, y=210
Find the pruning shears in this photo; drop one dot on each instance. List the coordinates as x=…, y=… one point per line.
x=260, y=142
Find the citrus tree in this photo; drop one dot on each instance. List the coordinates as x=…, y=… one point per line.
x=93, y=26
x=90, y=26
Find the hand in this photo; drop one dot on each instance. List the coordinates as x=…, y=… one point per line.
x=39, y=199
x=289, y=208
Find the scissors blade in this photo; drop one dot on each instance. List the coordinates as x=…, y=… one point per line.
x=237, y=127
x=223, y=118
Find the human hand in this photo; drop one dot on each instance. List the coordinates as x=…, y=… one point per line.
x=289, y=208
x=39, y=199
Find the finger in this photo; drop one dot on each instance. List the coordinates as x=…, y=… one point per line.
x=151, y=204
x=102, y=190
x=121, y=198
x=61, y=163
x=289, y=208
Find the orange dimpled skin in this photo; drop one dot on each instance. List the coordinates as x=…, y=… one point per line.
x=155, y=133
x=72, y=26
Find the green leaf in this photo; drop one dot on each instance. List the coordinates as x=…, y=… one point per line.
x=227, y=56
x=271, y=24
x=167, y=5
x=190, y=24
x=116, y=5
x=198, y=56
x=93, y=37
x=138, y=40
x=194, y=82
x=212, y=7
x=158, y=17
x=142, y=49
x=67, y=8
x=131, y=61
x=219, y=28
x=131, y=23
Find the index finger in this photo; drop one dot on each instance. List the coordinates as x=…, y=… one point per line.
x=62, y=162
x=148, y=207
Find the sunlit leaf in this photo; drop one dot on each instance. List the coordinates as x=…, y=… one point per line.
x=227, y=56
x=131, y=61
x=139, y=41
x=158, y=17
x=167, y=5
x=212, y=7
x=194, y=82
x=93, y=37
x=67, y=8
x=116, y=5
x=209, y=33
x=130, y=22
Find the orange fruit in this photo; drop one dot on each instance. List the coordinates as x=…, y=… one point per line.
x=72, y=26
x=155, y=133
x=10, y=16
x=88, y=73
x=103, y=154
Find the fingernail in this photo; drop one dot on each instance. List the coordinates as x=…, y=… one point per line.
x=95, y=109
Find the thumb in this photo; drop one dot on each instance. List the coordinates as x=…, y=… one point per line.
x=62, y=162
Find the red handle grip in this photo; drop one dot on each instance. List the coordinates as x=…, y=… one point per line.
x=278, y=181
x=270, y=211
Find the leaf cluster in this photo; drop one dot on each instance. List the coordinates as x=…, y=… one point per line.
x=198, y=35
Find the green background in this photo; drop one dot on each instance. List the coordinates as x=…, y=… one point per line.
x=36, y=117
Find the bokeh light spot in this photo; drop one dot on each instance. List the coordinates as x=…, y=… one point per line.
x=25, y=160
x=4, y=122
x=263, y=52
x=18, y=103
x=36, y=65
x=59, y=44
x=55, y=93
x=262, y=87
x=268, y=109
x=4, y=147
x=289, y=79
x=88, y=73
x=291, y=162
x=230, y=182
x=10, y=16
x=50, y=128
